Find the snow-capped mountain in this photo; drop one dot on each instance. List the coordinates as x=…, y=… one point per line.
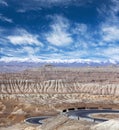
x=19, y=66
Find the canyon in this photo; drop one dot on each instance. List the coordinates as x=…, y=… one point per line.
x=48, y=90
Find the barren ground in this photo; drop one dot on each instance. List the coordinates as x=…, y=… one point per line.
x=49, y=90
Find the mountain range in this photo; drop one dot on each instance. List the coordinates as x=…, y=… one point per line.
x=20, y=66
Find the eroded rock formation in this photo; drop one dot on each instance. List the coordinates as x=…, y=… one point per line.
x=47, y=91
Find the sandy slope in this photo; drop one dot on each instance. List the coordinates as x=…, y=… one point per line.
x=108, y=125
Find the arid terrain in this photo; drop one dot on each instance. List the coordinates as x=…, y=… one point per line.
x=49, y=90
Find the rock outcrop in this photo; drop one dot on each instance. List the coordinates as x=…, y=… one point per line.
x=97, y=81
x=57, y=86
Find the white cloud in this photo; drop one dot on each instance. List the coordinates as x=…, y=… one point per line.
x=110, y=16
x=112, y=53
x=110, y=33
x=3, y=3
x=114, y=7
x=53, y=49
x=30, y=50
x=11, y=51
x=59, y=35
x=80, y=29
x=23, y=37
x=27, y=5
x=77, y=53
x=21, y=52
x=18, y=59
x=5, y=19
x=84, y=37
x=37, y=59
x=3, y=40
x=21, y=10
x=109, y=28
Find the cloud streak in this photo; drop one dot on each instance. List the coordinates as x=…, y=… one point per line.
x=110, y=34
x=26, y=5
x=59, y=36
x=4, y=3
x=52, y=31
x=5, y=19
x=24, y=38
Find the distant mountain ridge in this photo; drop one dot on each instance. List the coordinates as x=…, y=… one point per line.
x=20, y=66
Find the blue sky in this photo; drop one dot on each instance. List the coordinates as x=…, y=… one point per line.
x=59, y=30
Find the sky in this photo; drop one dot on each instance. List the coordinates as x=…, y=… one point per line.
x=59, y=30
